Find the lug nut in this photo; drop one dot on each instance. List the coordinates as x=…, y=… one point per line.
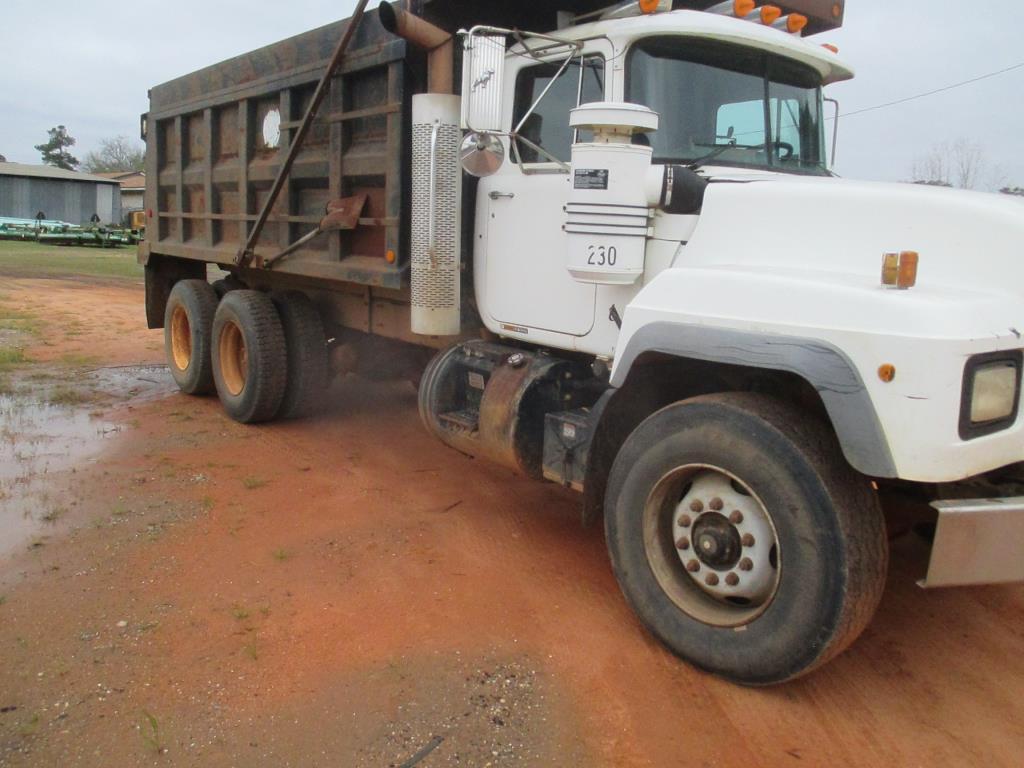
x=746, y=564
x=693, y=566
x=697, y=507
x=685, y=521
x=736, y=518
x=683, y=544
x=712, y=580
x=732, y=580
x=717, y=504
x=748, y=540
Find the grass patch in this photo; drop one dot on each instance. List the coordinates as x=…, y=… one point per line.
x=3, y=599
x=20, y=259
x=240, y=613
x=67, y=396
x=149, y=728
x=12, y=356
x=53, y=514
x=281, y=555
x=30, y=726
x=75, y=358
x=253, y=483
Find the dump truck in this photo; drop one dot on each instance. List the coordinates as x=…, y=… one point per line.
x=607, y=246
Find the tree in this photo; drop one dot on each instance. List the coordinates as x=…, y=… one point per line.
x=117, y=154
x=960, y=163
x=3, y=159
x=55, y=151
x=1017, y=191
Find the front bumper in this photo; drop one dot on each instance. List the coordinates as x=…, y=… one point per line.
x=977, y=541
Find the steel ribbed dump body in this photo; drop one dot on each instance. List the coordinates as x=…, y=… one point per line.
x=212, y=156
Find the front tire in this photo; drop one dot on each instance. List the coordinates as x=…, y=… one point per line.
x=249, y=358
x=742, y=538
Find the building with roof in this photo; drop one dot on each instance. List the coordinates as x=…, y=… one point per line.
x=133, y=189
x=26, y=191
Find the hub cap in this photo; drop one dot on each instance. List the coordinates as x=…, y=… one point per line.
x=712, y=545
x=181, y=339
x=234, y=358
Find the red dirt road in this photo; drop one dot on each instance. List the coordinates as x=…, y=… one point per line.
x=340, y=592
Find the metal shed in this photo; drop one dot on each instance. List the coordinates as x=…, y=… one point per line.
x=28, y=190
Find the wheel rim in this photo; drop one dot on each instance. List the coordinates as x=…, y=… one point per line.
x=234, y=358
x=181, y=339
x=712, y=545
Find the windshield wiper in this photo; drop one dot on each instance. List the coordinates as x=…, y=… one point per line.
x=700, y=161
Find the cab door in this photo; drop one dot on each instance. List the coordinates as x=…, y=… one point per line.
x=525, y=282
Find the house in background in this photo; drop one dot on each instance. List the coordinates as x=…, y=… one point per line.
x=133, y=189
x=76, y=198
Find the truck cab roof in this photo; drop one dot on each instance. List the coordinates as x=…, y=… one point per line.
x=713, y=26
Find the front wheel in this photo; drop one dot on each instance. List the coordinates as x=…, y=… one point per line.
x=742, y=538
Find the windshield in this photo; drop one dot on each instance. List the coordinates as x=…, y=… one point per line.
x=740, y=106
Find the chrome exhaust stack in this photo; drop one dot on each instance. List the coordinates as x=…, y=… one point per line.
x=438, y=44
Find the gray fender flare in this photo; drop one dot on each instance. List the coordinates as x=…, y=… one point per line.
x=824, y=366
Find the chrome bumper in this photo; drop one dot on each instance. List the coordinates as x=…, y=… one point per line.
x=977, y=541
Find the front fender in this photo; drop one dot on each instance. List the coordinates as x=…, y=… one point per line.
x=825, y=367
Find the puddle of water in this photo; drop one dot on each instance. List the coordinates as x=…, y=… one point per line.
x=135, y=383
x=38, y=441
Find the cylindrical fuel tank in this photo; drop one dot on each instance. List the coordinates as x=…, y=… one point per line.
x=489, y=400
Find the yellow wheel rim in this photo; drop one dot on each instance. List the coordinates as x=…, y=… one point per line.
x=181, y=339
x=234, y=358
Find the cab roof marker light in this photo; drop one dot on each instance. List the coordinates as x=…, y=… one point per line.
x=625, y=9
x=738, y=8
x=794, y=23
x=770, y=14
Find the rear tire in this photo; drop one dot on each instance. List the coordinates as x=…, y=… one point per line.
x=188, y=324
x=306, y=345
x=249, y=358
x=742, y=538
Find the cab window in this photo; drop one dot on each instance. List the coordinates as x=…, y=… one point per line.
x=548, y=124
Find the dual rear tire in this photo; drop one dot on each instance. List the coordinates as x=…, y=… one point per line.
x=265, y=356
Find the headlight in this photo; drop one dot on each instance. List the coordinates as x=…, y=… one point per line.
x=991, y=394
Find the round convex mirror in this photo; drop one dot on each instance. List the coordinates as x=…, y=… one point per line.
x=482, y=154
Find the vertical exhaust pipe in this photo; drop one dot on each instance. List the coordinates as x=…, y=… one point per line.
x=439, y=45
x=436, y=211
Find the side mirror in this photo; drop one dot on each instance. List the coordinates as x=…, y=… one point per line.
x=483, y=77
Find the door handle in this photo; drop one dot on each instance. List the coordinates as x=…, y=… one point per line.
x=499, y=195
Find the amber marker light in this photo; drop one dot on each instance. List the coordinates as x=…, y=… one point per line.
x=770, y=14
x=907, y=277
x=887, y=373
x=390, y=256
x=649, y=6
x=899, y=270
x=830, y=47
x=795, y=23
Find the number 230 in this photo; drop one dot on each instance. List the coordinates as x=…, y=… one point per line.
x=601, y=256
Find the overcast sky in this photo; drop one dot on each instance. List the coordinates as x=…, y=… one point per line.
x=88, y=65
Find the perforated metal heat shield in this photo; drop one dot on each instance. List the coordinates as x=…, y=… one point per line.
x=542, y=16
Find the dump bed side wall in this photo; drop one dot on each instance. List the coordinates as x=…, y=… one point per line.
x=210, y=167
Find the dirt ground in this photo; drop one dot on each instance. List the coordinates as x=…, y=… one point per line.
x=347, y=592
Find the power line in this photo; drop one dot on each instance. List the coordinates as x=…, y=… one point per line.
x=937, y=90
